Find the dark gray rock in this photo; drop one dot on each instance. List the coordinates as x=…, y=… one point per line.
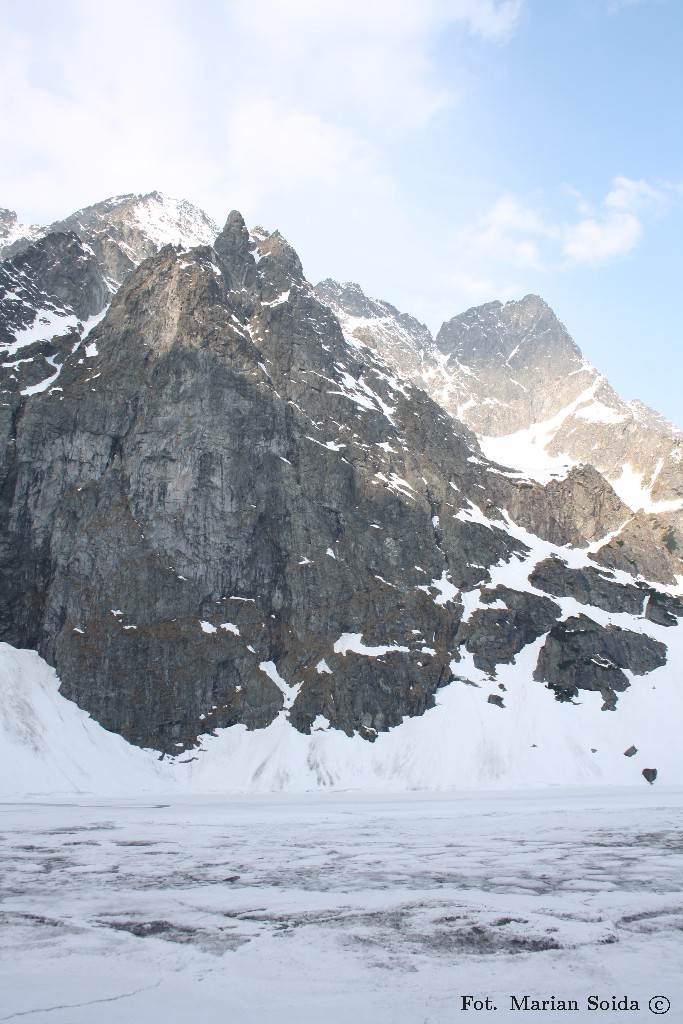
x=495, y=636
x=664, y=609
x=58, y=268
x=590, y=587
x=224, y=445
x=580, y=655
x=578, y=509
x=226, y=512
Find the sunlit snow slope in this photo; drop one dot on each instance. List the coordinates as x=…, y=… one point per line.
x=49, y=746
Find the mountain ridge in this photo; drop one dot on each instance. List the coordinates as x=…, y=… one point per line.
x=552, y=411
x=227, y=512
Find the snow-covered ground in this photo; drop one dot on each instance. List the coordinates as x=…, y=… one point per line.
x=376, y=909
x=172, y=899
x=49, y=746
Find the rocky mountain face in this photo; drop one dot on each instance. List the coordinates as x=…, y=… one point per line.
x=56, y=281
x=12, y=230
x=240, y=498
x=512, y=372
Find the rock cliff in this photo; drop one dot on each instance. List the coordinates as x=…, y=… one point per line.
x=221, y=509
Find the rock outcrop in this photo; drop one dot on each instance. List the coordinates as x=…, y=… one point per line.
x=222, y=510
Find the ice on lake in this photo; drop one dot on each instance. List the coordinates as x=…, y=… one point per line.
x=339, y=907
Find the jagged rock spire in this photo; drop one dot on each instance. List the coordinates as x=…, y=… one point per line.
x=233, y=247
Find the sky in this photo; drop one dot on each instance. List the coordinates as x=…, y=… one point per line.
x=441, y=153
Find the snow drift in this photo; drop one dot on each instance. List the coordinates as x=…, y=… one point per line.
x=49, y=746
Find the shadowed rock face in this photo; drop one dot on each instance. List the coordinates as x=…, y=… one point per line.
x=58, y=270
x=588, y=586
x=598, y=587
x=225, y=512
x=579, y=655
x=495, y=636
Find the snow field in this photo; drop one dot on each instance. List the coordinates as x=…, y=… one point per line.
x=49, y=746
x=338, y=907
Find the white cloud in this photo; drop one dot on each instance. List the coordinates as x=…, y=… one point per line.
x=224, y=101
x=372, y=56
x=630, y=195
x=525, y=237
x=616, y=228
x=275, y=150
x=595, y=241
x=510, y=231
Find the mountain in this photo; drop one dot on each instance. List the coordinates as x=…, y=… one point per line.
x=57, y=281
x=13, y=230
x=122, y=230
x=512, y=372
x=235, y=505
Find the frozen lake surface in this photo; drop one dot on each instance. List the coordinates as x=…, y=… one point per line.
x=340, y=908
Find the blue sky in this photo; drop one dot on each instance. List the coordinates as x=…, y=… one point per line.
x=442, y=153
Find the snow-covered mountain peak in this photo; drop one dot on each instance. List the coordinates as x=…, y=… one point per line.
x=12, y=229
x=166, y=220
x=141, y=224
x=650, y=417
x=519, y=334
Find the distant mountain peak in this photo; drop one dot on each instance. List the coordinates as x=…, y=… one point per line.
x=12, y=230
x=498, y=330
x=512, y=372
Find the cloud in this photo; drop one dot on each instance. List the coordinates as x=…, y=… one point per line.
x=597, y=241
x=510, y=231
x=273, y=150
x=372, y=58
x=525, y=237
x=250, y=99
x=616, y=228
x=108, y=113
x=630, y=195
